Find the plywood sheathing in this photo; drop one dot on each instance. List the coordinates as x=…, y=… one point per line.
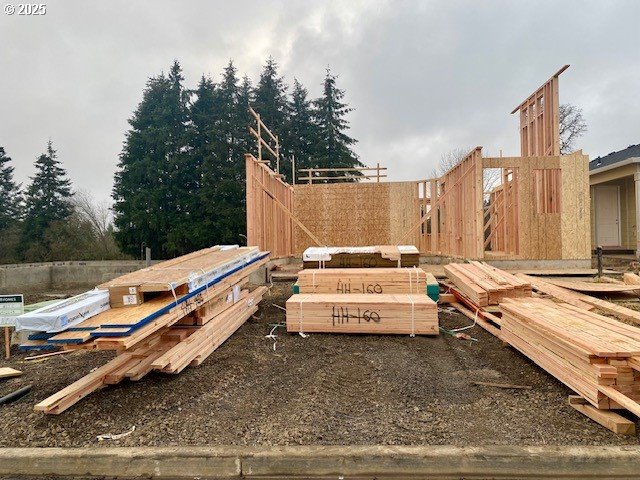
x=355, y=214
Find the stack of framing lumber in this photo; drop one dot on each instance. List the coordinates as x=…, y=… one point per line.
x=414, y=314
x=168, y=331
x=380, y=256
x=362, y=280
x=596, y=356
x=486, y=285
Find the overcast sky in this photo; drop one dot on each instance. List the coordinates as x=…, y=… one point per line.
x=424, y=77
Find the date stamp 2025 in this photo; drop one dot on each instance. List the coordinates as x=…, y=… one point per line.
x=26, y=9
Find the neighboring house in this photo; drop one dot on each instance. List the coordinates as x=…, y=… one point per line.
x=615, y=200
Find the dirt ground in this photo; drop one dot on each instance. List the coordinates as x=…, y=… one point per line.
x=323, y=389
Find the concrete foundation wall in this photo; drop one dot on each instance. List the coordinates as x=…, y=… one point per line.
x=51, y=276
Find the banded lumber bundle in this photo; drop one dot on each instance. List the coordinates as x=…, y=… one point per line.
x=405, y=314
x=486, y=285
x=380, y=256
x=596, y=356
x=179, y=275
x=168, y=331
x=169, y=350
x=362, y=280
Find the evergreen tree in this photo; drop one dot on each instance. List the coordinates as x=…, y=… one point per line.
x=246, y=143
x=224, y=184
x=153, y=177
x=333, y=144
x=271, y=102
x=47, y=201
x=11, y=207
x=301, y=132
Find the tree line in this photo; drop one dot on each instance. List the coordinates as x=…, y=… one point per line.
x=180, y=182
x=46, y=221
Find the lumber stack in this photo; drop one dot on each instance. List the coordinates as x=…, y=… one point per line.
x=414, y=314
x=177, y=321
x=596, y=356
x=379, y=256
x=486, y=285
x=367, y=281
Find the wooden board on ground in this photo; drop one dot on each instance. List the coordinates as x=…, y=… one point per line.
x=607, y=418
x=594, y=287
x=358, y=313
x=8, y=372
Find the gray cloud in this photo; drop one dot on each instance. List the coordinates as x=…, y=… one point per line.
x=423, y=77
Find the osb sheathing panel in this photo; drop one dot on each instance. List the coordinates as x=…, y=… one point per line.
x=355, y=214
x=575, y=223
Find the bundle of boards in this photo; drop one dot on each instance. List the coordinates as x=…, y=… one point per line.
x=177, y=319
x=379, y=256
x=596, y=356
x=367, y=281
x=364, y=300
x=414, y=314
x=486, y=285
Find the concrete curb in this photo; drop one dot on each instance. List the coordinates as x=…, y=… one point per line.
x=326, y=462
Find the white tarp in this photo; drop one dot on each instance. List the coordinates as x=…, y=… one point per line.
x=65, y=313
x=200, y=278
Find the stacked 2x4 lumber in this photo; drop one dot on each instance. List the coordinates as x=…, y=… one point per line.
x=414, y=314
x=596, y=356
x=170, y=351
x=362, y=280
x=486, y=285
x=166, y=333
x=379, y=256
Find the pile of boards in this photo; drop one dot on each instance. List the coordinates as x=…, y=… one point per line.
x=377, y=256
x=164, y=318
x=598, y=357
x=391, y=300
x=484, y=284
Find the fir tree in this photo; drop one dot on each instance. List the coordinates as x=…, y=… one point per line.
x=47, y=201
x=301, y=132
x=333, y=144
x=153, y=177
x=11, y=207
x=246, y=143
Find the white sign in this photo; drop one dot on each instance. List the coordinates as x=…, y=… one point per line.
x=10, y=307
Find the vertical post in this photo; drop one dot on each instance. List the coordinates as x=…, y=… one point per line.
x=250, y=201
x=378, y=172
x=310, y=176
x=277, y=155
x=599, y=257
x=433, y=208
x=293, y=167
x=259, y=138
x=148, y=256
x=7, y=343
x=479, y=201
